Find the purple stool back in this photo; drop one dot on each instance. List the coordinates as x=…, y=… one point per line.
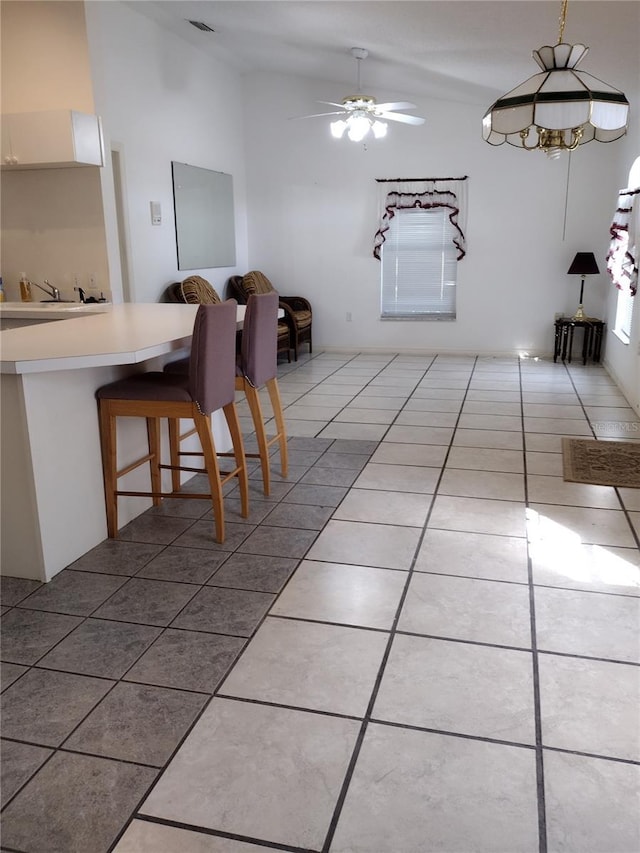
x=259, y=350
x=258, y=367
x=211, y=364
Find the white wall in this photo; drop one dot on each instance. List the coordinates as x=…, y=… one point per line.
x=161, y=100
x=313, y=209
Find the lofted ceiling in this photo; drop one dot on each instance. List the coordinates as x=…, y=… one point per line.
x=469, y=50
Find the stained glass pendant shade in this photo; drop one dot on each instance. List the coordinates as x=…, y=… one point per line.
x=559, y=108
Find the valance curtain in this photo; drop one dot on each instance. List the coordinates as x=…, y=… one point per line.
x=622, y=257
x=426, y=194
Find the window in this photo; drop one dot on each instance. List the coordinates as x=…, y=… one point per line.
x=624, y=313
x=419, y=265
x=622, y=258
x=419, y=241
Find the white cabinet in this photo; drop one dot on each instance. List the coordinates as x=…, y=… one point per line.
x=51, y=139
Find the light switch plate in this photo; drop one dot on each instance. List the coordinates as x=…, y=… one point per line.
x=156, y=213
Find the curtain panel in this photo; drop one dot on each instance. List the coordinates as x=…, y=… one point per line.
x=426, y=194
x=622, y=257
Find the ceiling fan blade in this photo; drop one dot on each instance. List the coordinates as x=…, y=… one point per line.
x=320, y=115
x=400, y=117
x=398, y=105
x=330, y=104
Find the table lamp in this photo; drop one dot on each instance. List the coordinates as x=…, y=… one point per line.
x=583, y=264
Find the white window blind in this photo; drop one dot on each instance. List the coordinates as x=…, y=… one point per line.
x=419, y=265
x=624, y=313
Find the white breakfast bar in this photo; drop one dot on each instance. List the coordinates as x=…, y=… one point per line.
x=52, y=499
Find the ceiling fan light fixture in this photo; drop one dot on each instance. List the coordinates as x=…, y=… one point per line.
x=362, y=114
x=358, y=127
x=379, y=129
x=338, y=128
x=559, y=108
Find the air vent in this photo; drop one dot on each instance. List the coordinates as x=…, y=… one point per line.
x=199, y=25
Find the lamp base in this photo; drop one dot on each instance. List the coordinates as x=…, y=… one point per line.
x=579, y=315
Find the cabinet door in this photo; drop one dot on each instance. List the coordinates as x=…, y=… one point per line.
x=52, y=138
x=6, y=141
x=38, y=138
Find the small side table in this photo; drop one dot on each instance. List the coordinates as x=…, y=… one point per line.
x=591, y=342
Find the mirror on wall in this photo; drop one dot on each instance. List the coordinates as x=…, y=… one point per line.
x=205, y=224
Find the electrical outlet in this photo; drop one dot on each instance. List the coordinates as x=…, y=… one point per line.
x=348, y=316
x=92, y=280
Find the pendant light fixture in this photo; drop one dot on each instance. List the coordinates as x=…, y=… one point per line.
x=559, y=108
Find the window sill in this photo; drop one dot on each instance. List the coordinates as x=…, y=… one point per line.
x=438, y=318
x=622, y=337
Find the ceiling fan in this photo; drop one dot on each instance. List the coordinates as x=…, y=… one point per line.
x=362, y=113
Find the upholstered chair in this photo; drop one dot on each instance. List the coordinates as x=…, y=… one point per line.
x=194, y=290
x=297, y=309
x=197, y=291
x=206, y=386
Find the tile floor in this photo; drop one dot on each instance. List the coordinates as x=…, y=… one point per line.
x=424, y=641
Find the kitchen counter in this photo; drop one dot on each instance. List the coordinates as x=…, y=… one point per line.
x=18, y=315
x=125, y=334
x=51, y=310
x=52, y=498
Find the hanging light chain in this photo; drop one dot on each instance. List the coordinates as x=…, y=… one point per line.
x=562, y=19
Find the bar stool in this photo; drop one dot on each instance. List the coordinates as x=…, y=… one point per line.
x=208, y=385
x=256, y=367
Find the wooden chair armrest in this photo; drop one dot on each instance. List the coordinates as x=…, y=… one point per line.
x=289, y=316
x=296, y=303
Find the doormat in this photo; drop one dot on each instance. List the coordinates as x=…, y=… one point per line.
x=601, y=463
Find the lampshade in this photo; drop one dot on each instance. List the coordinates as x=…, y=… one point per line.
x=584, y=263
x=559, y=108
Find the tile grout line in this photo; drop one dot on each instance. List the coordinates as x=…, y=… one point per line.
x=537, y=710
x=335, y=818
x=136, y=811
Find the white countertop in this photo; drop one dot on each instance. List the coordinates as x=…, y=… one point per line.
x=124, y=334
x=51, y=310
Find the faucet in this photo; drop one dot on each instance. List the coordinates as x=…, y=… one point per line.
x=52, y=291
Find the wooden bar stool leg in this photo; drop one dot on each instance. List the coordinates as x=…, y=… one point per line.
x=174, y=452
x=276, y=404
x=203, y=425
x=109, y=466
x=153, y=438
x=253, y=400
x=231, y=415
